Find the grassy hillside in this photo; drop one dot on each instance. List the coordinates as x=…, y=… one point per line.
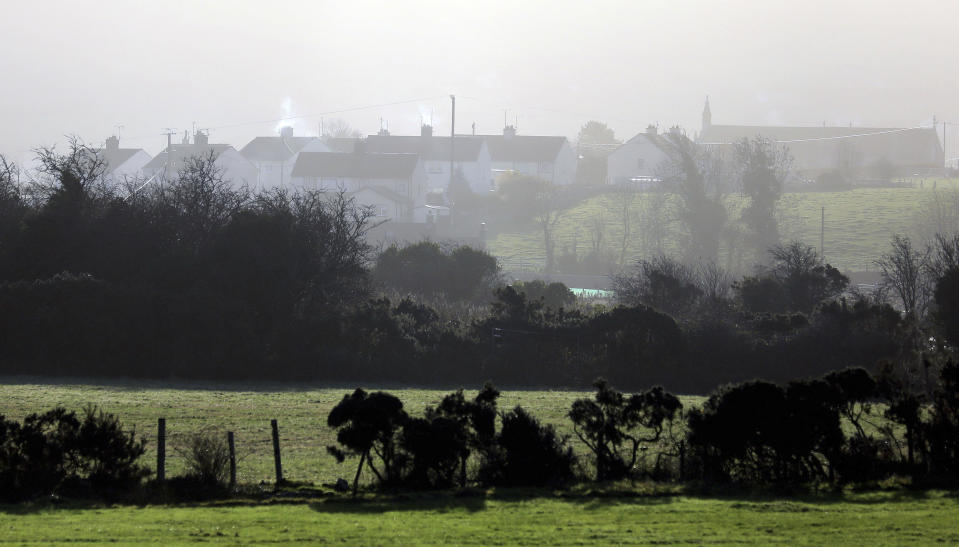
x=859, y=224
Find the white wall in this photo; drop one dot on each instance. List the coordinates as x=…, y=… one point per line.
x=637, y=157
x=133, y=167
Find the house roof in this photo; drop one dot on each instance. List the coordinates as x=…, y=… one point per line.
x=658, y=140
x=274, y=148
x=523, y=147
x=181, y=152
x=429, y=148
x=116, y=157
x=355, y=165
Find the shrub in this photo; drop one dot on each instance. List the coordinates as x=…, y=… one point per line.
x=529, y=454
x=207, y=457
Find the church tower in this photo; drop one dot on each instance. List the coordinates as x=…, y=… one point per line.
x=707, y=117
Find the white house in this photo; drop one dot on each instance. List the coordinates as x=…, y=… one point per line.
x=123, y=163
x=549, y=158
x=639, y=160
x=394, y=186
x=274, y=157
x=472, y=159
x=235, y=169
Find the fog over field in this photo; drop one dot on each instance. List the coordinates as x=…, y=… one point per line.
x=84, y=68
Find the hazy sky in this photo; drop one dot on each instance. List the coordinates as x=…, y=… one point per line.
x=83, y=68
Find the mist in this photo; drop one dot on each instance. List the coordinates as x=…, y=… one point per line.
x=71, y=68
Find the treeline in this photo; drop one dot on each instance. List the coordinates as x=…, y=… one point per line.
x=197, y=279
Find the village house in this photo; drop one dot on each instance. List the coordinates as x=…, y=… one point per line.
x=640, y=160
x=393, y=186
x=234, y=168
x=123, y=163
x=274, y=157
x=471, y=162
x=549, y=158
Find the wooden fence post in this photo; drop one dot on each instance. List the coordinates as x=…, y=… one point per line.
x=230, y=443
x=161, y=449
x=276, y=452
x=682, y=461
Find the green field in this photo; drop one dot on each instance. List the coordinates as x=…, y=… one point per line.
x=858, y=224
x=247, y=412
x=621, y=513
x=508, y=519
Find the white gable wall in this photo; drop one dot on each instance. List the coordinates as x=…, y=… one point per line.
x=636, y=158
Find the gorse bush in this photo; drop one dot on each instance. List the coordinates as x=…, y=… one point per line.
x=59, y=452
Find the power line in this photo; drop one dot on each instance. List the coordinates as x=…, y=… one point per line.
x=835, y=137
x=305, y=116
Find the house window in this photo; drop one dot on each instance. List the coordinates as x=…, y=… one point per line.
x=436, y=168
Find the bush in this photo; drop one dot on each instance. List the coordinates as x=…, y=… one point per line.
x=56, y=452
x=207, y=457
x=529, y=454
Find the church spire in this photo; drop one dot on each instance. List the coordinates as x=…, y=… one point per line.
x=707, y=116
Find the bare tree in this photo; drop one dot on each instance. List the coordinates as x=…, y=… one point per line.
x=79, y=171
x=339, y=129
x=624, y=199
x=548, y=214
x=904, y=273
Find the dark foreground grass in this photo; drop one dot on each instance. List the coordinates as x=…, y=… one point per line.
x=863, y=519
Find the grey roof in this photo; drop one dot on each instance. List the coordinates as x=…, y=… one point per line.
x=182, y=152
x=429, y=148
x=274, y=148
x=117, y=156
x=355, y=165
x=523, y=147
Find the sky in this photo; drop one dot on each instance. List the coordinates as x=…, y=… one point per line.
x=236, y=67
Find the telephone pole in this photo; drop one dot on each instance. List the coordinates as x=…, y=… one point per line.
x=452, y=137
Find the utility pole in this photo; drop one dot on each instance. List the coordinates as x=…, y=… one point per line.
x=452, y=136
x=822, y=236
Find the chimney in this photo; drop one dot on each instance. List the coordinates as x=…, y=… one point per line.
x=383, y=132
x=200, y=138
x=113, y=144
x=286, y=132
x=651, y=129
x=509, y=131
x=675, y=131
x=426, y=131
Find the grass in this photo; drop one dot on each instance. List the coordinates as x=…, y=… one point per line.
x=611, y=514
x=858, y=225
x=875, y=518
x=301, y=413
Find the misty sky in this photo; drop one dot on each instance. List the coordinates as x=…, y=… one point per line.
x=84, y=67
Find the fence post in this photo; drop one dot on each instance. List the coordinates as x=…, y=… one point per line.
x=229, y=442
x=276, y=452
x=682, y=461
x=161, y=449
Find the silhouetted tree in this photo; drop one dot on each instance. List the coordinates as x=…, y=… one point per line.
x=367, y=426
x=615, y=427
